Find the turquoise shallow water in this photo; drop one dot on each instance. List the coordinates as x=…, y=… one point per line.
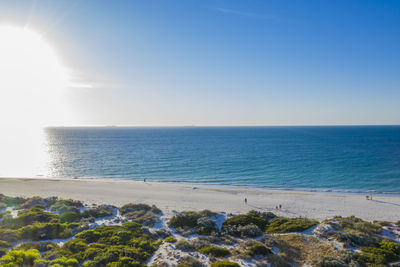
x=348, y=158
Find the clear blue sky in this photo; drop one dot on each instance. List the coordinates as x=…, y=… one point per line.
x=224, y=62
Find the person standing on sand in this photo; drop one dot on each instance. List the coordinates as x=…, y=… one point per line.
x=245, y=201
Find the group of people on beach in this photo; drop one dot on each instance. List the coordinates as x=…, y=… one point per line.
x=368, y=197
x=278, y=207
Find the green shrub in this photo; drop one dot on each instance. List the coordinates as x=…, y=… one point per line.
x=225, y=264
x=170, y=239
x=40, y=246
x=90, y=253
x=141, y=213
x=33, y=201
x=4, y=244
x=62, y=206
x=114, y=234
x=98, y=212
x=70, y=216
x=288, y=225
x=11, y=201
x=185, y=219
x=75, y=245
x=371, y=256
x=246, y=219
x=355, y=238
x=28, y=217
x=3, y=251
x=258, y=249
x=193, y=222
x=329, y=262
x=9, y=235
x=356, y=224
x=215, y=251
x=108, y=245
x=184, y=245
x=390, y=246
x=19, y=258
x=43, y=231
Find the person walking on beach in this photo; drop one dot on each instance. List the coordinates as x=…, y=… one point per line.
x=245, y=201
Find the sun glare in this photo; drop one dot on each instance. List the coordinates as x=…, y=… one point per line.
x=32, y=84
x=32, y=79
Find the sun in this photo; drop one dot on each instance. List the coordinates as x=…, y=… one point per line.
x=32, y=79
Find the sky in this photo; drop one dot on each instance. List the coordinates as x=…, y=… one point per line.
x=222, y=62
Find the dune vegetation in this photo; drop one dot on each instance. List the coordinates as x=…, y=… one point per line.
x=42, y=232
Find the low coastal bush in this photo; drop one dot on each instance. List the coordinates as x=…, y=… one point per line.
x=9, y=235
x=244, y=224
x=384, y=253
x=29, y=216
x=249, y=230
x=40, y=246
x=70, y=216
x=65, y=205
x=11, y=201
x=141, y=213
x=258, y=249
x=187, y=261
x=44, y=231
x=215, y=251
x=353, y=231
x=390, y=246
x=4, y=244
x=170, y=239
x=108, y=245
x=59, y=262
x=184, y=245
x=19, y=258
x=98, y=212
x=288, y=225
x=356, y=224
x=300, y=249
x=329, y=262
x=128, y=244
x=225, y=264
x=355, y=238
x=192, y=222
x=4, y=213
x=35, y=201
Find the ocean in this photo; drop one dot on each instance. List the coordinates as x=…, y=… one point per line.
x=336, y=158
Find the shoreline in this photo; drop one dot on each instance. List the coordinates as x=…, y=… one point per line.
x=220, y=185
x=173, y=197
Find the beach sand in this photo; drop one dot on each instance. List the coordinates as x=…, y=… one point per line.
x=179, y=197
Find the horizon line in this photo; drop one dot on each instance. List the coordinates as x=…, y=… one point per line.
x=217, y=126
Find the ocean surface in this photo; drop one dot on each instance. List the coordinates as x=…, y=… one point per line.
x=337, y=158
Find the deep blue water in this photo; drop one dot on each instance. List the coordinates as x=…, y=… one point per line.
x=354, y=158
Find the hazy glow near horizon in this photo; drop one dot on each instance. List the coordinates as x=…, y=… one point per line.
x=32, y=85
x=32, y=79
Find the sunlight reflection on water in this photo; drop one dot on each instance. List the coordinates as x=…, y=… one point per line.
x=23, y=152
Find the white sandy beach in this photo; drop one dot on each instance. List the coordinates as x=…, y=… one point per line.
x=179, y=197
